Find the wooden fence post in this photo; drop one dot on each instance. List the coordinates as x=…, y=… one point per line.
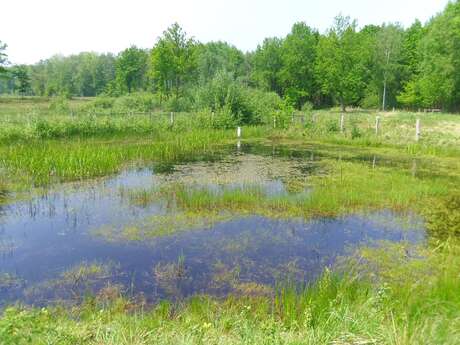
x=342, y=122
x=417, y=130
x=377, y=125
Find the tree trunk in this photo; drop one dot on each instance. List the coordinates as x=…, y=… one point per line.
x=342, y=105
x=384, y=94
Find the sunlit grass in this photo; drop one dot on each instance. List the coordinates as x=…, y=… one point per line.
x=404, y=306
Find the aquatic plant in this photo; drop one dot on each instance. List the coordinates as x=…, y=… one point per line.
x=337, y=309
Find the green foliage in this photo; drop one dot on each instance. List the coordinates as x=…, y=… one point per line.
x=3, y=57
x=297, y=74
x=375, y=66
x=131, y=69
x=387, y=66
x=59, y=105
x=85, y=74
x=355, y=131
x=341, y=62
x=22, y=79
x=371, y=99
x=443, y=217
x=103, y=102
x=136, y=102
x=436, y=83
x=266, y=65
x=173, y=61
x=307, y=107
x=216, y=57
x=247, y=106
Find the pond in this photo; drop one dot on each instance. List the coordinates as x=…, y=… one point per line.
x=92, y=237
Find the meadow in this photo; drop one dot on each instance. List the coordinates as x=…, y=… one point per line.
x=391, y=293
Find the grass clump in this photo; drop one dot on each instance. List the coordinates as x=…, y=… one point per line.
x=349, y=187
x=339, y=309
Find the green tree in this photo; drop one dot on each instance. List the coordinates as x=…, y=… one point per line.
x=437, y=83
x=215, y=57
x=21, y=77
x=387, y=58
x=267, y=62
x=341, y=62
x=298, y=55
x=174, y=61
x=131, y=69
x=3, y=57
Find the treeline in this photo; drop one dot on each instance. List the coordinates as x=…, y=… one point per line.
x=375, y=66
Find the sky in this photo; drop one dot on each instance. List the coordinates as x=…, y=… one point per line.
x=38, y=29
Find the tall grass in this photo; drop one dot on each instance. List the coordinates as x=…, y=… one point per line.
x=355, y=308
x=57, y=161
x=348, y=187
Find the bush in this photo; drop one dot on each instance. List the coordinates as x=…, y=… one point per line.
x=332, y=126
x=103, y=102
x=370, y=101
x=262, y=105
x=137, y=102
x=59, y=105
x=307, y=107
x=181, y=104
x=226, y=95
x=355, y=132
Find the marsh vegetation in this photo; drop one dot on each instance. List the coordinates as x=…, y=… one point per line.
x=140, y=215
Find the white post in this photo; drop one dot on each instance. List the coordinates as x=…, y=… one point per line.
x=274, y=121
x=171, y=120
x=238, y=132
x=342, y=122
x=377, y=125
x=417, y=130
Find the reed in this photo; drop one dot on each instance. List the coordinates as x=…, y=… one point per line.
x=351, y=308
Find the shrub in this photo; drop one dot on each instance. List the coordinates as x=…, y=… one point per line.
x=247, y=106
x=307, y=107
x=103, y=102
x=178, y=104
x=332, y=126
x=137, y=102
x=371, y=101
x=59, y=105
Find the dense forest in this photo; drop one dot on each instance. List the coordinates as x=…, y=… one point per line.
x=372, y=67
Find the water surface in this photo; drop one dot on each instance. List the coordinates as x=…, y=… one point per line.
x=50, y=248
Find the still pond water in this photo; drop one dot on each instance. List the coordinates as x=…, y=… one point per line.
x=56, y=246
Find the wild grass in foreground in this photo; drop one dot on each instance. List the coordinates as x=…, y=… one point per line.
x=391, y=295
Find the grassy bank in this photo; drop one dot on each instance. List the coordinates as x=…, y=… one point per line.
x=405, y=305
